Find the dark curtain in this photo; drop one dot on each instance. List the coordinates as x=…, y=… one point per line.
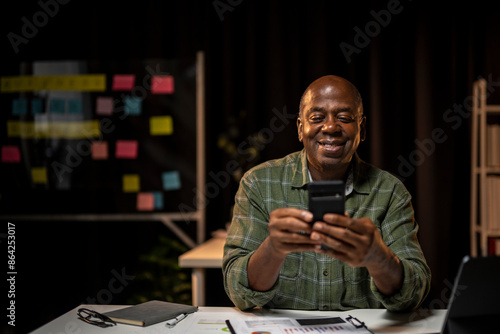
x=414, y=63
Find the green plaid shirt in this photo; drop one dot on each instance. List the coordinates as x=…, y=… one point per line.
x=312, y=281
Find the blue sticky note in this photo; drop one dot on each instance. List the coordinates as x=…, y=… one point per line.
x=57, y=106
x=36, y=106
x=133, y=105
x=158, y=200
x=171, y=180
x=74, y=106
x=19, y=107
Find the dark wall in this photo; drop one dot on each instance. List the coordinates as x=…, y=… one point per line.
x=411, y=61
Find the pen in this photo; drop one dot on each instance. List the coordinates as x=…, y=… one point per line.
x=171, y=323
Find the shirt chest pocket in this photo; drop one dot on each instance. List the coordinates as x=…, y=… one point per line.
x=292, y=265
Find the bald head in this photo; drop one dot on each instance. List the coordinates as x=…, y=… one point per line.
x=331, y=83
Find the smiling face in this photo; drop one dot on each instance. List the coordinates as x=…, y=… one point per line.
x=330, y=125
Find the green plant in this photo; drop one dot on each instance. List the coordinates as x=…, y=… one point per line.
x=160, y=277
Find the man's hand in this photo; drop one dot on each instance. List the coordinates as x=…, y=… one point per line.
x=289, y=230
x=358, y=243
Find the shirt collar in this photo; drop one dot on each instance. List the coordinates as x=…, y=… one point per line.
x=300, y=177
x=356, y=179
x=360, y=180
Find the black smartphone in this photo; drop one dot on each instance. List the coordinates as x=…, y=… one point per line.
x=326, y=197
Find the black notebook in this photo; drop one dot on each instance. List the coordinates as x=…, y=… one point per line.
x=150, y=313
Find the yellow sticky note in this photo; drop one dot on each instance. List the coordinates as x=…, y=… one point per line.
x=161, y=125
x=28, y=130
x=68, y=130
x=79, y=82
x=13, y=128
x=39, y=175
x=131, y=183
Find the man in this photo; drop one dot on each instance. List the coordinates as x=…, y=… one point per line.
x=273, y=255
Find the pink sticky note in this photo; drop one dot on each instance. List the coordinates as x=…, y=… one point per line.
x=123, y=82
x=104, y=106
x=11, y=154
x=99, y=150
x=162, y=84
x=145, y=202
x=126, y=149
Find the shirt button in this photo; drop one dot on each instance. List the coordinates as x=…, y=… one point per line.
x=325, y=273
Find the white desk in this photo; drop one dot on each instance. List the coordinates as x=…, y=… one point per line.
x=377, y=320
x=207, y=255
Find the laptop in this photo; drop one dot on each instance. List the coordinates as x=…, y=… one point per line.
x=474, y=305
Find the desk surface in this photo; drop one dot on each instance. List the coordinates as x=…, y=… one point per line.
x=207, y=255
x=377, y=320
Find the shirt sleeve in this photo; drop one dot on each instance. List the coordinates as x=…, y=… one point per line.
x=399, y=231
x=247, y=231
